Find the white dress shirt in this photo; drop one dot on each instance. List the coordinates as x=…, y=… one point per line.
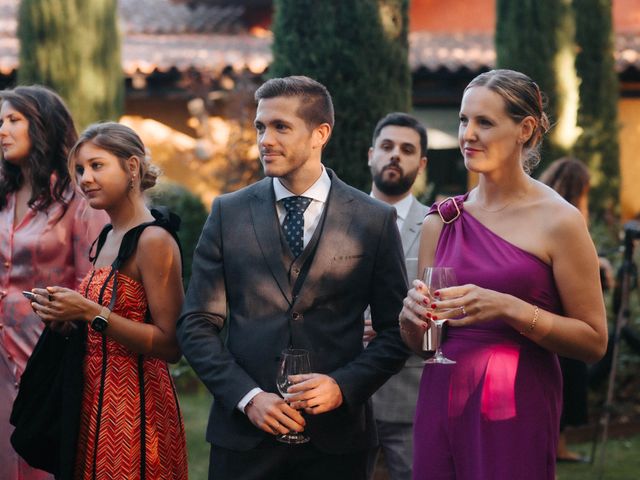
x=318, y=193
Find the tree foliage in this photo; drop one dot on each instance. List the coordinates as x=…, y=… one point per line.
x=535, y=37
x=567, y=47
x=598, y=113
x=192, y=214
x=73, y=46
x=359, y=50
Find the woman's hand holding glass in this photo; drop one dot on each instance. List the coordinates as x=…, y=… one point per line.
x=470, y=304
x=423, y=306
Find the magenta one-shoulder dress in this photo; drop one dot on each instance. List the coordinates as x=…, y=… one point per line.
x=494, y=415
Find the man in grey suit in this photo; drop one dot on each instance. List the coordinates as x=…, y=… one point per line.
x=292, y=261
x=397, y=155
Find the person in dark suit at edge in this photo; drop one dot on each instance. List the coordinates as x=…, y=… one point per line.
x=397, y=155
x=275, y=284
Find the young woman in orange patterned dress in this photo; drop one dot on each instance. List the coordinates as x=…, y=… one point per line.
x=131, y=426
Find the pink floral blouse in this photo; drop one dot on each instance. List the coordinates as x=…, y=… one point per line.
x=43, y=249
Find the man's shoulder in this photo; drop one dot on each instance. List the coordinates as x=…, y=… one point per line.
x=367, y=201
x=259, y=188
x=418, y=205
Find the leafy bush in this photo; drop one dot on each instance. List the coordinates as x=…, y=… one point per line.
x=192, y=212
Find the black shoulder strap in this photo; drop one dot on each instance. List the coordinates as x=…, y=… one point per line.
x=163, y=218
x=98, y=243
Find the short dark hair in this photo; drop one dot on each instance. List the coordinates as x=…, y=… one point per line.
x=399, y=119
x=52, y=134
x=316, y=106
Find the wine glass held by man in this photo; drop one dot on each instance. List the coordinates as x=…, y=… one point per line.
x=529, y=289
x=46, y=228
x=132, y=310
x=294, y=361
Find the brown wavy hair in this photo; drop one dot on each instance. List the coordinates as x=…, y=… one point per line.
x=52, y=134
x=569, y=177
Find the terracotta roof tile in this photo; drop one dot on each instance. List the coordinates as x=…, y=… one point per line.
x=146, y=53
x=153, y=16
x=453, y=52
x=167, y=17
x=160, y=35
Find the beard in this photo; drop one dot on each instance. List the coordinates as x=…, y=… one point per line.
x=397, y=186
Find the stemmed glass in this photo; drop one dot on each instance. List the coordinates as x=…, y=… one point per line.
x=436, y=278
x=294, y=361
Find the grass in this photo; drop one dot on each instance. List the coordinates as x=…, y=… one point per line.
x=195, y=410
x=622, y=462
x=622, y=459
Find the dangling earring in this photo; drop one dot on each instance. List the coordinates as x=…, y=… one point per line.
x=133, y=176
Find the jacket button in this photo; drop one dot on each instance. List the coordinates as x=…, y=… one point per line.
x=296, y=316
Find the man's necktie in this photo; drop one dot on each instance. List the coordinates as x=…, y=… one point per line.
x=293, y=224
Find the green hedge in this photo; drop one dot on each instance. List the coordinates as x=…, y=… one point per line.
x=192, y=213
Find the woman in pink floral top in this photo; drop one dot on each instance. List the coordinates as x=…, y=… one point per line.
x=46, y=229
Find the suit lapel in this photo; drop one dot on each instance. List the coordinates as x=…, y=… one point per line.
x=338, y=218
x=267, y=230
x=412, y=225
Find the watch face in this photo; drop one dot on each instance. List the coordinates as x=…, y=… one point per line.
x=99, y=324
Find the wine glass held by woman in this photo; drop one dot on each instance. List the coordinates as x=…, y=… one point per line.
x=132, y=336
x=529, y=289
x=46, y=229
x=435, y=279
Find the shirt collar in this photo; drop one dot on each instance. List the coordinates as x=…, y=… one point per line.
x=318, y=191
x=402, y=207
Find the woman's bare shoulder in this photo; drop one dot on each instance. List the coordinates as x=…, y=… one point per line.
x=560, y=217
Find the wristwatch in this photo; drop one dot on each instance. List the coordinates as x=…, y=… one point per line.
x=101, y=321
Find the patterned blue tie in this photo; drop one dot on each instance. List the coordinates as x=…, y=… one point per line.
x=293, y=224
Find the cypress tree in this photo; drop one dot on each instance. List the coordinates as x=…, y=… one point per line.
x=598, y=144
x=359, y=50
x=73, y=46
x=536, y=37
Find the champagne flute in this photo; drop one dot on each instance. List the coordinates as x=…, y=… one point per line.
x=436, y=278
x=294, y=361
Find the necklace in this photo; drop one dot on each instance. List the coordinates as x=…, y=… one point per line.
x=511, y=202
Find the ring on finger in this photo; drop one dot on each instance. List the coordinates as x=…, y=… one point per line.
x=463, y=311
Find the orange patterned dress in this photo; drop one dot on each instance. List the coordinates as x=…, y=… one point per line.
x=131, y=426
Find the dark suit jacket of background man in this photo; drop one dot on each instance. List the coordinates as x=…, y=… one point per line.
x=239, y=267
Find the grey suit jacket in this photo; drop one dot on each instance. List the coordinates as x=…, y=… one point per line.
x=396, y=400
x=239, y=280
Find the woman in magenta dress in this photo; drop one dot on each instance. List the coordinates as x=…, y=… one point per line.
x=528, y=289
x=46, y=229
x=130, y=426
